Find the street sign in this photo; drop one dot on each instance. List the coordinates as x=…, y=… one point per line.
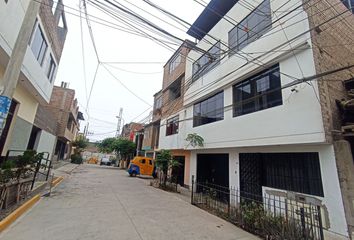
x=5, y=103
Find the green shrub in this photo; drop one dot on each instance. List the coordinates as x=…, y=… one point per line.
x=76, y=159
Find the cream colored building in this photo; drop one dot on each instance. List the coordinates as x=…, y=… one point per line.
x=38, y=69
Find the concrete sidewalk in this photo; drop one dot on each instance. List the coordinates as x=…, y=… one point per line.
x=103, y=203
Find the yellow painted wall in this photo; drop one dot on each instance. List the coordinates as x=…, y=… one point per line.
x=28, y=104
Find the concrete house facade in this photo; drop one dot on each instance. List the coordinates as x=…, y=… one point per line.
x=174, y=86
x=150, y=143
x=264, y=129
x=41, y=59
x=63, y=109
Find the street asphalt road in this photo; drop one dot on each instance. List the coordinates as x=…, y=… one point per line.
x=103, y=203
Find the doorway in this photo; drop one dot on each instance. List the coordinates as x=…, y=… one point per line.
x=213, y=168
x=178, y=171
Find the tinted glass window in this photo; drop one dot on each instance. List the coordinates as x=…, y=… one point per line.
x=172, y=126
x=251, y=28
x=175, y=61
x=39, y=45
x=207, y=61
x=259, y=92
x=51, y=69
x=208, y=111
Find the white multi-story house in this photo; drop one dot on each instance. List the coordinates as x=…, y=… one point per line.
x=264, y=130
x=38, y=69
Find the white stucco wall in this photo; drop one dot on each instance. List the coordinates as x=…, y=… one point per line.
x=332, y=199
x=46, y=143
x=298, y=120
x=10, y=25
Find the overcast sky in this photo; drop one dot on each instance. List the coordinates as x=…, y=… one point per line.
x=108, y=94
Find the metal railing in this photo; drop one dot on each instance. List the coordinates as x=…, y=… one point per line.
x=271, y=217
x=42, y=167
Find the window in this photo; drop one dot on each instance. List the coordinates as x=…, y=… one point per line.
x=209, y=110
x=349, y=4
x=258, y=92
x=172, y=126
x=207, y=61
x=150, y=162
x=251, y=28
x=174, y=90
x=39, y=45
x=55, y=5
x=51, y=69
x=175, y=61
x=143, y=161
x=158, y=103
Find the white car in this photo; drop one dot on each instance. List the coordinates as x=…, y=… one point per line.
x=106, y=161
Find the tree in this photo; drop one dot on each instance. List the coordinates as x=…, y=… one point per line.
x=165, y=162
x=125, y=148
x=107, y=145
x=120, y=146
x=80, y=144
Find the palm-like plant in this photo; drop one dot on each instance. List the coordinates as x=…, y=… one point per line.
x=195, y=140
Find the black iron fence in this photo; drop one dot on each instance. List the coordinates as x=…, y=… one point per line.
x=14, y=187
x=274, y=217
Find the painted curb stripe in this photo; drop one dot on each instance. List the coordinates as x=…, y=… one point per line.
x=18, y=212
x=57, y=181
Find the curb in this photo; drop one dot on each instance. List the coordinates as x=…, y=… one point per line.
x=57, y=181
x=18, y=212
x=6, y=222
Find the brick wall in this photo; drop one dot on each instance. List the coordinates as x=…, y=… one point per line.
x=45, y=120
x=332, y=49
x=61, y=104
x=172, y=107
x=57, y=35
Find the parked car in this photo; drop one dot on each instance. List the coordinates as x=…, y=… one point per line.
x=142, y=166
x=106, y=161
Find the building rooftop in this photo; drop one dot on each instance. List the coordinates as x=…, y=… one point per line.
x=215, y=10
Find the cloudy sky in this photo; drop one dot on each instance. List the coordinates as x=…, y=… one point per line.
x=129, y=63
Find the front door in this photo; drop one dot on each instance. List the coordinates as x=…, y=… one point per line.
x=149, y=167
x=143, y=166
x=251, y=176
x=178, y=171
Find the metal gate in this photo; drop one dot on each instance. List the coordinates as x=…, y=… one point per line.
x=251, y=178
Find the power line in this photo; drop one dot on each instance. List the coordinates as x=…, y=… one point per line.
x=291, y=84
x=124, y=70
x=83, y=52
x=126, y=86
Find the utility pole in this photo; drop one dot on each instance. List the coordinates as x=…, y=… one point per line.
x=119, y=124
x=86, y=130
x=13, y=69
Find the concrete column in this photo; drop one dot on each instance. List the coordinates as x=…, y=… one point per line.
x=13, y=68
x=345, y=166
